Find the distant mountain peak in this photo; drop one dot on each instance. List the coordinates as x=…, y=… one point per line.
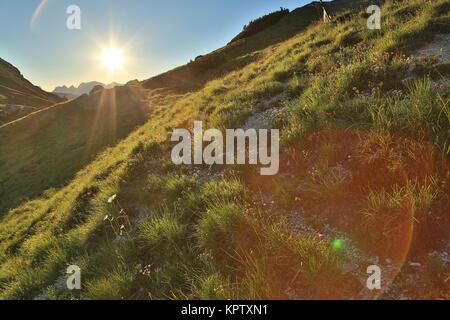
x=83, y=88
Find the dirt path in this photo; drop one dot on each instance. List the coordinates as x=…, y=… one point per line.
x=439, y=48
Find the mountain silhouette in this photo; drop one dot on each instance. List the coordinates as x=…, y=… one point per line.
x=83, y=88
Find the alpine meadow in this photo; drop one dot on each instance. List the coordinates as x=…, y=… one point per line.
x=356, y=117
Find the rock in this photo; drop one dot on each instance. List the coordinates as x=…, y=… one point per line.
x=97, y=88
x=415, y=264
x=133, y=83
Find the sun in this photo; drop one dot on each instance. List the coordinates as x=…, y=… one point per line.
x=112, y=59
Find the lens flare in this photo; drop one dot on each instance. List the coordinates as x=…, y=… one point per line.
x=338, y=244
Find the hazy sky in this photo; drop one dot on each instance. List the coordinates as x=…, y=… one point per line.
x=156, y=35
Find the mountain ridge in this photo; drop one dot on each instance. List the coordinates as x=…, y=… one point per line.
x=18, y=96
x=82, y=88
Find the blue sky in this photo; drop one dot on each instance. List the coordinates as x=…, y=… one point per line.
x=156, y=35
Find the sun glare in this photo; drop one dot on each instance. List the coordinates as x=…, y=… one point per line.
x=112, y=59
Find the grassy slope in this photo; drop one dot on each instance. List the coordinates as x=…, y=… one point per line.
x=201, y=233
x=16, y=90
x=28, y=160
x=46, y=149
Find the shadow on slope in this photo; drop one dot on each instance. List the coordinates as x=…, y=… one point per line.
x=46, y=149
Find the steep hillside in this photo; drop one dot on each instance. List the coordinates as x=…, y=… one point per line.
x=235, y=55
x=364, y=179
x=18, y=97
x=261, y=24
x=245, y=47
x=46, y=149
